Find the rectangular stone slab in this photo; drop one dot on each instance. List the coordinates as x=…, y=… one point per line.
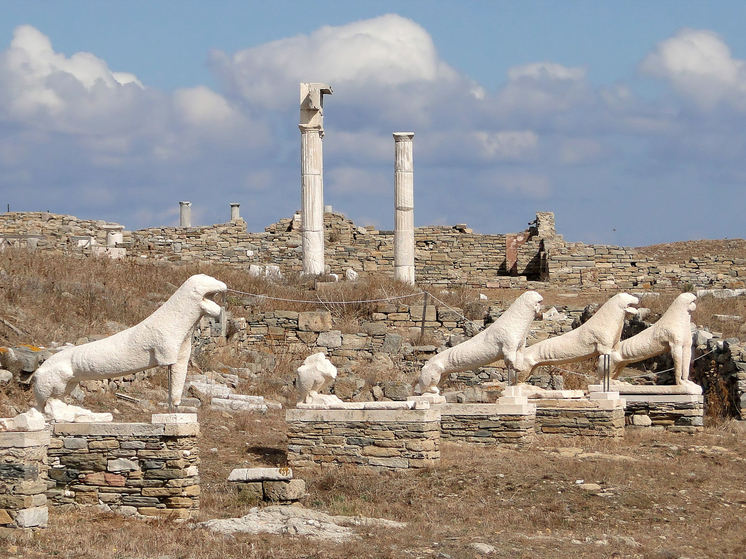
x=23, y=439
x=261, y=474
x=109, y=429
x=374, y=416
x=664, y=398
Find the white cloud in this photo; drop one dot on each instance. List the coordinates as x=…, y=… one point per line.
x=573, y=151
x=386, y=51
x=525, y=184
x=508, y=144
x=373, y=183
x=699, y=65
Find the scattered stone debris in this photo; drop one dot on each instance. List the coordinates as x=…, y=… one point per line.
x=218, y=391
x=297, y=521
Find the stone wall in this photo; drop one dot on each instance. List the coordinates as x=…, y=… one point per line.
x=483, y=424
x=150, y=470
x=23, y=469
x=445, y=256
x=580, y=417
x=387, y=439
x=674, y=412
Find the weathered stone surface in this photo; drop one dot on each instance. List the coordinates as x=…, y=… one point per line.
x=296, y=521
x=320, y=321
x=32, y=517
x=330, y=340
x=261, y=474
x=292, y=490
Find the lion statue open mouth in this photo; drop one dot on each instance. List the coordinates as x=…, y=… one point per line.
x=162, y=339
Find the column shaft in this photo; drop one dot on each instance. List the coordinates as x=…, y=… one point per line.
x=312, y=200
x=403, y=208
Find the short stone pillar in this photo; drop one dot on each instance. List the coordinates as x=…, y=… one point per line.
x=235, y=211
x=312, y=175
x=23, y=471
x=185, y=214
x=378, y=438
x=137, y=469
x=404, y=208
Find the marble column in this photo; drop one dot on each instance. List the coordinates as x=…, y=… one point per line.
x=185, y=214
x=404, y=208
x=235, y=213
x=312, y=175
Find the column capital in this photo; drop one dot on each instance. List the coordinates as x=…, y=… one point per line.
x=403, y=136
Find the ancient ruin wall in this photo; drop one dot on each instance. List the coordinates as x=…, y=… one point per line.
x=445, y=256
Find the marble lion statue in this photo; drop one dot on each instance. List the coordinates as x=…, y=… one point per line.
x=316, y=374
x=504, y=339
x=597, y=336
x=671, y=333
x=164, y=338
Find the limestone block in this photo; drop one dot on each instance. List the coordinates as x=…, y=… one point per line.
x=261, y=474
x=32, y=517
x=315, y=321
x=639, y=420
x=122, y=465
x=292, y=490
x=330, y=340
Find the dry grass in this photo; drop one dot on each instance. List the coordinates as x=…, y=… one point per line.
x=662, y=495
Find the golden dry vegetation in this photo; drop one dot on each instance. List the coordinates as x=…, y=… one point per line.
x=660, y=495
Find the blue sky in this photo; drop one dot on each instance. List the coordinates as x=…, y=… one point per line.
x=627, y=119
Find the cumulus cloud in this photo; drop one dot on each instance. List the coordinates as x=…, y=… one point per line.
x=547, y=134
x=699, y=65
x=386, y=51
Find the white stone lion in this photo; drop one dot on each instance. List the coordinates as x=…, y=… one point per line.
x=164, y=338
x=316, y=374
x=671, y=333
x=597, y=336
x=504, y=339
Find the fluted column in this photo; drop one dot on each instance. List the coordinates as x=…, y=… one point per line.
x=185, y=214
x=404, y=208
x=312, y=175
x=312, y=199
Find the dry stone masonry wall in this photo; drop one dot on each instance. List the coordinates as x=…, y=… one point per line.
x=150, y=470
x=23, y=470
x=445, y=256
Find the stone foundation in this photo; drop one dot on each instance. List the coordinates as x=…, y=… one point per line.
x=673, y=412
x=594, y=418
x=142, y=469
x=23, y=466
x=485, y=424
x=390, y=439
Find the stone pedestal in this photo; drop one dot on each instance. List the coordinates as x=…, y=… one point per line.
x=487, y=423
x=388, y=439
x=23, y=469
x=137, y=469
x=267, y=484
x=602, y=416
x=660, y=407
x=672, y=412
x=403, y=208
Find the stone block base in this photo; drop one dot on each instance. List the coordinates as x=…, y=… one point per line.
x=23, y=469
x=594, y=418
x=133, y=468
x=672, y=412
x=486, y=424
x=388, y=439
